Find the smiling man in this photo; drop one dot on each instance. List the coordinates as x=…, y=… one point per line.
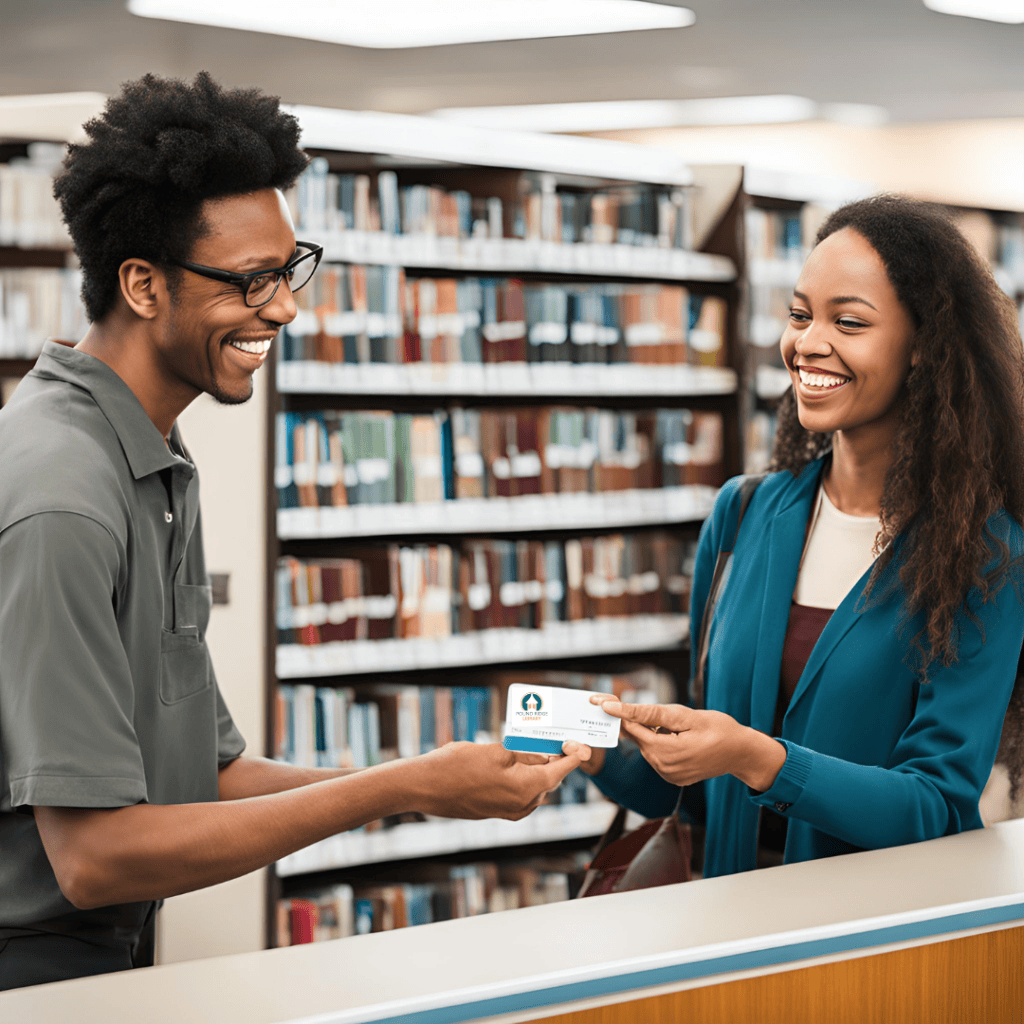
x=122, y=775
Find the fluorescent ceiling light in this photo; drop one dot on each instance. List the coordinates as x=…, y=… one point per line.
x=622, y=114
x=48, y=116
x=1011, y=12
x=392, y=24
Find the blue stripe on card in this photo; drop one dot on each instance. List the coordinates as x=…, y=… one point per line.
x=528, y=745
x=530, y=1000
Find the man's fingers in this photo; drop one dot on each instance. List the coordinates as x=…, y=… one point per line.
x=524, y=758
x=581, y=749
x=557, y=769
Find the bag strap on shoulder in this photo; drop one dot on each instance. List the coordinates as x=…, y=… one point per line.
x=747, y=488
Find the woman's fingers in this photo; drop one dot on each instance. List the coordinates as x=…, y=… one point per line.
x=672, y=717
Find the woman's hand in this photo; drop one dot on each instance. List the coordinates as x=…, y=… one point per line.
x=685, y=746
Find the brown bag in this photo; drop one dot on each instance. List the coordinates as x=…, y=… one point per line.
x=660, y=851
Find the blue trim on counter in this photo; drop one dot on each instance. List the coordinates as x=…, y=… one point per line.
x=529, y=745
x=753, y=959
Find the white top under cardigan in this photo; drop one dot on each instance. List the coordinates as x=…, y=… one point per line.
x=840, y=549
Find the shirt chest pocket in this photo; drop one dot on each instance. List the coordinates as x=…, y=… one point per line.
x=184, y=660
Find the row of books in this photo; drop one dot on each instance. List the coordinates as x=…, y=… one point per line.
x=345, y=727
x=643, y=215
x=435, y=893
x=37, y=304
x=29, y=215
x=351, y=313
x=781, y=234
x=335, y=459
x=442, y=590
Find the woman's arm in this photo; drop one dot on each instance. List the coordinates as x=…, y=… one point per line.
x=929, y=785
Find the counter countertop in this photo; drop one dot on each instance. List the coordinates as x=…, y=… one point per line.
x=539, y=958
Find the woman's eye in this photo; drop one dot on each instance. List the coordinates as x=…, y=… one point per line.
x=850, y=325
x=795, y=314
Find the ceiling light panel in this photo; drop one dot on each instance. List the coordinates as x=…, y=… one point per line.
x=622, y=114
x=396, y=24
x=1010, y=12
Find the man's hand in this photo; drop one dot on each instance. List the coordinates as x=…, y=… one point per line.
x=484, y=780
x=685, y=746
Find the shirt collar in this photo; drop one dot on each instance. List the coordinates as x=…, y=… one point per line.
x=144, y=447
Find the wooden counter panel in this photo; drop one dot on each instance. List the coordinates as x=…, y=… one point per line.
x=975, y=979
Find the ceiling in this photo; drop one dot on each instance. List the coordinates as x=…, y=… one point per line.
x=920, y=65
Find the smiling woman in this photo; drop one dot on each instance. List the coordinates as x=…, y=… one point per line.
x=861, y=656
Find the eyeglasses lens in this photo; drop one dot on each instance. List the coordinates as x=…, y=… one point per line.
x=262, y=289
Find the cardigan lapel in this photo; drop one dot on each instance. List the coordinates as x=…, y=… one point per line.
x=843, y=619
x=785, y=543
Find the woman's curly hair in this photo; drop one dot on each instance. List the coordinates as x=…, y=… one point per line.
x=959, y=451
x=159, y=150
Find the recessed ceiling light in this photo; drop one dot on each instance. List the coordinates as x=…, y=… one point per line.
x=1010, y=12
x=393, y=24
x=622, y=114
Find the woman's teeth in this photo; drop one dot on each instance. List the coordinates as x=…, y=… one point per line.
x=255, y=348
x=820, y=380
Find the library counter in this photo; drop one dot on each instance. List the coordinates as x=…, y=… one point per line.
x=933, y=931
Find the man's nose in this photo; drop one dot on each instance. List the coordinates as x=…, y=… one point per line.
x=281, y=308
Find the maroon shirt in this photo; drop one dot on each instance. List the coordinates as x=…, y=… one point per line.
x=805, y=626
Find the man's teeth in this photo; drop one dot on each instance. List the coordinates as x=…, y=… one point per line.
x=818, y=380
x=255, y=348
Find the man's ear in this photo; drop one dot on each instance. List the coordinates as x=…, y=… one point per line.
x=144, y=287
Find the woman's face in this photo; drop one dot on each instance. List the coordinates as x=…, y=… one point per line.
x=848, y=341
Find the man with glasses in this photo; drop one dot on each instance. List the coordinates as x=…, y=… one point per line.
x=122, y=775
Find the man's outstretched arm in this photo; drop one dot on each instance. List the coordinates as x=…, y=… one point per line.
x=147, y=852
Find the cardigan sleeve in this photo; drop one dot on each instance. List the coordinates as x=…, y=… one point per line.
x=932, y=782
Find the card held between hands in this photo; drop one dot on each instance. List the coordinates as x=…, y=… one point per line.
x=539, y=719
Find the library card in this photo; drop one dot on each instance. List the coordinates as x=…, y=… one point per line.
x=539, y=719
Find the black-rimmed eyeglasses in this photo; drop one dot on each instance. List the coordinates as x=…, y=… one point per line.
x=260, y=286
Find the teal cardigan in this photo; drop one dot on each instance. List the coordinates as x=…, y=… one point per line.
x=874, y=758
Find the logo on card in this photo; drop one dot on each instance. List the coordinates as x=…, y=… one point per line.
x=532, y=705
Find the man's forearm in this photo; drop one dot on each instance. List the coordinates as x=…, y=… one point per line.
x=258, y=776
x=149, y=852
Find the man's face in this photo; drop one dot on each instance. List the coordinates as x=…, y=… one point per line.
x=213, y=342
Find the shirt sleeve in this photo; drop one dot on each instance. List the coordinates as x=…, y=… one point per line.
x=230, y=743
x=932, y=782
x=66, y=692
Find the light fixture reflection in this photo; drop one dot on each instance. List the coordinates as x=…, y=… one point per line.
x=625, y=114
x=395, y=24
x=1010, y=12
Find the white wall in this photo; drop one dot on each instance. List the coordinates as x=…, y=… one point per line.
x=973, y=163
x=228, y=444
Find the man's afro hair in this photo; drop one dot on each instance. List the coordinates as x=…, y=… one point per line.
x=156, y=153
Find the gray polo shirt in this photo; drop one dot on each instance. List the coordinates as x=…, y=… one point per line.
x=107, y=693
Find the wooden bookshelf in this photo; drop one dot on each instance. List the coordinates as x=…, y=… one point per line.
x=352, y=142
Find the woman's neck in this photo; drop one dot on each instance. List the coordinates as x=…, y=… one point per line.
x=855, y=479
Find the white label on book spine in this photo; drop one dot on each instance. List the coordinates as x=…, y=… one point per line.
x=469, y=464
x=548, y=333
x=479, y=596
x=305, y=323
x=644, y=334
x=326, y=474
x=505, y=330
x=705, y=341
x=372, y=470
